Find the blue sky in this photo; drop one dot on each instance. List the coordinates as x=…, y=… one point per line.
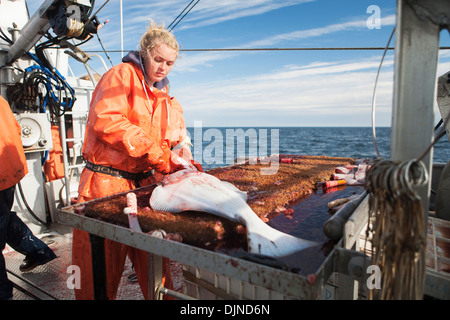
x=268, y=88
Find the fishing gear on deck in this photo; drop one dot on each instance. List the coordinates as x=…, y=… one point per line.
x=397, y=226
x=290, y=160
x=330, y=183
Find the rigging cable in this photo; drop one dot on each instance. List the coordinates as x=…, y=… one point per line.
x=180, y=14
x=374, y=135
x=436, y=138
x=170, y=27
x=98, y=37
x=273, y=49
x=104, y=50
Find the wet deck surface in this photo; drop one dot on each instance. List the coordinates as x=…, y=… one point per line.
x=311, y=212
x=306, y=222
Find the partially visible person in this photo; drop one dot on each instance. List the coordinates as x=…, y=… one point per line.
x=13, y=231
x=133, y=130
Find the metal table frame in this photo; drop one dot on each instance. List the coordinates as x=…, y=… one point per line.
x=288, y=283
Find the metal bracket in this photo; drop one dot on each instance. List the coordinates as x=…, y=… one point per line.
x=430, y=13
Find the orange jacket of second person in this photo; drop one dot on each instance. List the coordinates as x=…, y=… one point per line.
x=12, y=156
x=128, y=122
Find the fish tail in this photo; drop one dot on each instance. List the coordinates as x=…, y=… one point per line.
x=271, y=242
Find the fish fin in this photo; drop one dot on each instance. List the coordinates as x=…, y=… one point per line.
x=159, y=203
x=271, y=242
x=232, y=187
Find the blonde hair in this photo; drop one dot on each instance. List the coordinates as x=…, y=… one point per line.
x=156, y=35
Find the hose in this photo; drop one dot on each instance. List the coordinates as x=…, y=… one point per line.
x=28, y=207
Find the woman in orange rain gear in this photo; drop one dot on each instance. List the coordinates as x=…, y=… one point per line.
x=132, y=126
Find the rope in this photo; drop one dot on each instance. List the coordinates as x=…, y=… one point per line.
x=397, y=227
x=75, y=27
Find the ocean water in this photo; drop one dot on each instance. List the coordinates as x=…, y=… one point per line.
x=217, y=147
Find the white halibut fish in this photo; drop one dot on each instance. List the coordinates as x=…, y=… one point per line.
x=190, y=189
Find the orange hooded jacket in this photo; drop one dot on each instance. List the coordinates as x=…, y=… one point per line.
x=127, y=125
x=12, y=156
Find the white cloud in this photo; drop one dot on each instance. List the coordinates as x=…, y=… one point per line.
x=317, y=32
x=193, y=61
x=209, y=12
x=206, y=12
x=331, y=89
x=322, y=93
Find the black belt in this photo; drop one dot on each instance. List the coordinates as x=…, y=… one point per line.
x=119, y=173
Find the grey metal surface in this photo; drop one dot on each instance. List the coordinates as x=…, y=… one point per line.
x=49, y=278
x=30, y=33
x=416, y=57
x=290, y=284
x=49, y=282
x=443, y=100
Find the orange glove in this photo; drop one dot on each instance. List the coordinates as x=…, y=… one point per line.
x=197, y=165
x=163, y=164
x=175, y=166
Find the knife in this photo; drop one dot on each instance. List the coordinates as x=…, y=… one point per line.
x=131, y=212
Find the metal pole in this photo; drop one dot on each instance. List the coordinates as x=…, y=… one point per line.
x=98, y=267
x=154, y=275
x=121, y=29
x=416, y=57
x=62, y=134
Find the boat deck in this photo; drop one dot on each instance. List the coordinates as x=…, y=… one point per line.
x=49, y=281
